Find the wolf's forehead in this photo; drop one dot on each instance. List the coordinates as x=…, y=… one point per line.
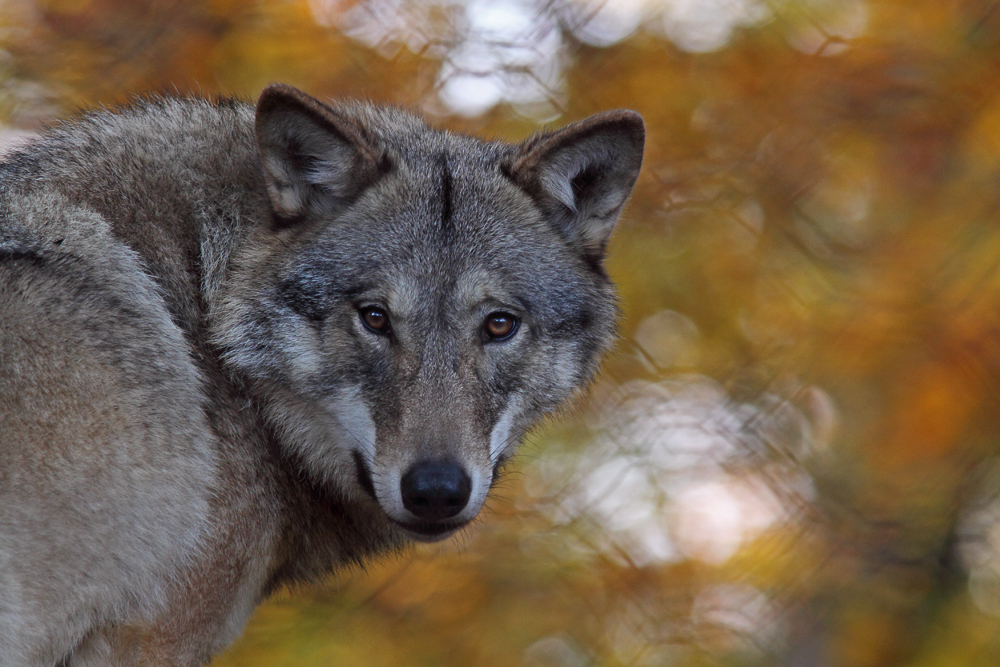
x=444, y=204
x=460, y=189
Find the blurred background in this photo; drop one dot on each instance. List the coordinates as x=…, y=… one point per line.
x=793, y=456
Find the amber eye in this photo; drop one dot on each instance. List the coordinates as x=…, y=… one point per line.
x=499, y=326
x=375, y=319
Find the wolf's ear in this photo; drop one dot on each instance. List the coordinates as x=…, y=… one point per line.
x=582, y=174
x=315, y=159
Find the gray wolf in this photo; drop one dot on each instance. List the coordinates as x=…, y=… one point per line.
x=243, y=346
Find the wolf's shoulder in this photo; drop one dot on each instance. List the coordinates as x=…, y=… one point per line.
x=159, y=128
x=158, y=115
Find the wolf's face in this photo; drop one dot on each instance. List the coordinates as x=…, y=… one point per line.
x=423, y=298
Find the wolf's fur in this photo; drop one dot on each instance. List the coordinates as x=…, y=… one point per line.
x=192, y=409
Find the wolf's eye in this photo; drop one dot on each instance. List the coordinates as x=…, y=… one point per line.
x=375, y=319
x=499, y=326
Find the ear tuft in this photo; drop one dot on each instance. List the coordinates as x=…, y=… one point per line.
x=315, y=159
x=582, y=174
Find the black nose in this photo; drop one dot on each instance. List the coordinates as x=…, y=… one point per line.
x=435, y=490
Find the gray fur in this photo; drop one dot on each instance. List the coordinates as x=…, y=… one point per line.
x=192, y=411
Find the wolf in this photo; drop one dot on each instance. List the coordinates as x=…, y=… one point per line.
x=243, y=346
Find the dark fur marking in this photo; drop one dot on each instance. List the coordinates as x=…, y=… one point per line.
x=594, y=259
x=497, y=472
x=364, y=475
x=21, y=253
x=280, y=222
x=445, y=191
x=353, y=292
x=302, y=300
x=575, y=325
x=18, y=163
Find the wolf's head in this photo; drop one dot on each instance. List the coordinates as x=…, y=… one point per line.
x=421, y=298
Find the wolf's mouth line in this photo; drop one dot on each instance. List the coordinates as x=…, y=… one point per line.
x=364, y=474
x=430, y=529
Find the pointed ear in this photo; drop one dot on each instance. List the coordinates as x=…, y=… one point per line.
x=582, y=174
x=315, y=159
